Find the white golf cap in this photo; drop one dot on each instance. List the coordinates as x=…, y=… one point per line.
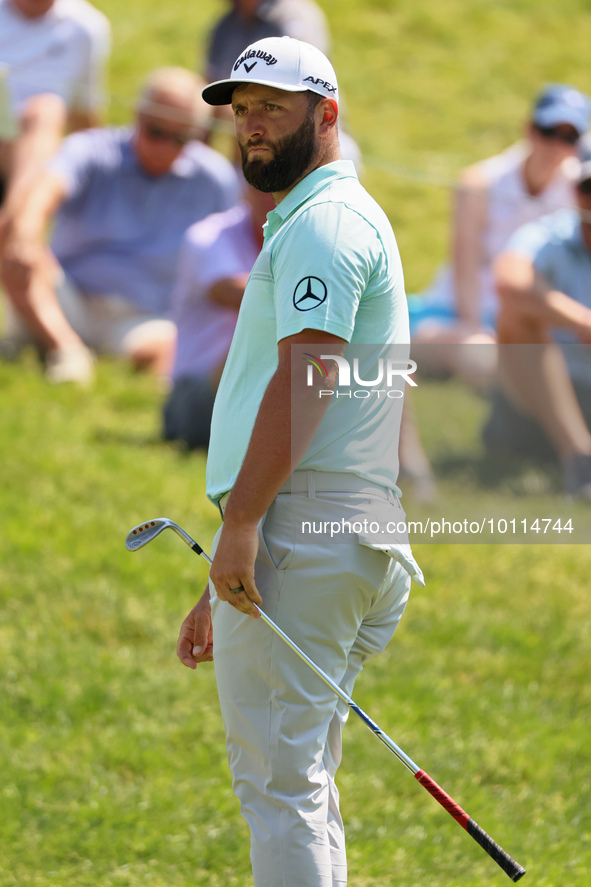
x=281, y=62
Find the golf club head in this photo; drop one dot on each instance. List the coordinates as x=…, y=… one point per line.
x=144, y=533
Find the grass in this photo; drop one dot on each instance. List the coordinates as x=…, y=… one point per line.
x=112, y=764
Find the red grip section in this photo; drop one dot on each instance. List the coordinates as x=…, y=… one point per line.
x=444, y=799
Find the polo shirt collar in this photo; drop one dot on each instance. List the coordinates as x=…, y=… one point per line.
x=309, y=186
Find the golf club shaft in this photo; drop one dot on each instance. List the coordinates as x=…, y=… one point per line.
x=500, y=856
x=512, y=868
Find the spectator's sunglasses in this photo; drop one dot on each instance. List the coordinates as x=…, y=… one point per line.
x=156, y=134
x=585, y=187
x=559, y=135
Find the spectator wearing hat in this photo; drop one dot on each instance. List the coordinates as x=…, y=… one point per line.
x=52, y=59
x=121, y=201
x=544, y=283
x=496, y=197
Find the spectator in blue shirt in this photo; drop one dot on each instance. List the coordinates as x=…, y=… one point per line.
x=544, y=282
x=122, y=200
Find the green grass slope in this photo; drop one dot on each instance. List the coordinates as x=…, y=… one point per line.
x=112, y=764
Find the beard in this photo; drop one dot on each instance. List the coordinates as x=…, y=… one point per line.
x=293, y=154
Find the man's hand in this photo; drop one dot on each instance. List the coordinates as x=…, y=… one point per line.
x=195, y=643
x=233, y=567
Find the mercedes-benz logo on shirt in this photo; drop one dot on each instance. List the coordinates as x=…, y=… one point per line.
x=309, y=293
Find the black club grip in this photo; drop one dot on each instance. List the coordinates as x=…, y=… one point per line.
x=502, y=859
x=506, y=862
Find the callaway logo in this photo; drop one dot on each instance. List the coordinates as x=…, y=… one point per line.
x=318, y=80
x=255, y=54
x=309, y=293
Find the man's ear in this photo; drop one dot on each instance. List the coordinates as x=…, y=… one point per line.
x=329, y=111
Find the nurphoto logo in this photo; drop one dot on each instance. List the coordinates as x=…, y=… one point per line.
x=387, y=372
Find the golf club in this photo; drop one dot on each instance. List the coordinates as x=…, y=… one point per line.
x=144, y=533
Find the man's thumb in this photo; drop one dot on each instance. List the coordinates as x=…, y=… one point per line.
x=199, y=639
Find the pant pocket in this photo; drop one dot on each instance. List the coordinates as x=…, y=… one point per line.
x=276, y=536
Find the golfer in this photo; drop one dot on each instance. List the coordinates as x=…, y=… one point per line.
x=291, y=447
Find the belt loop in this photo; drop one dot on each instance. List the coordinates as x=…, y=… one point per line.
x=311, y=484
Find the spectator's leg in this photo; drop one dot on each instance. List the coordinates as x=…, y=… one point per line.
x=457, y=350
x=535, y=378
x=119, y=327
x=151, y=346
x=35, y=299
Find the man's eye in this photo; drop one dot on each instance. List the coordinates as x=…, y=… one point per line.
x=271, y=107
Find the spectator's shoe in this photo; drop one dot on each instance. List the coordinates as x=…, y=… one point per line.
x=74, y=364
x=576, y=473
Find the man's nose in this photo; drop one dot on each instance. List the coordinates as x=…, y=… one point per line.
x=252, y=125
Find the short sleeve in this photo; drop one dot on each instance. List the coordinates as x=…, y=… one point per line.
x=529, y=240
x=75, y=161
x=541, y=240
x=208, y=254
x=321, y=268
x=88, y=93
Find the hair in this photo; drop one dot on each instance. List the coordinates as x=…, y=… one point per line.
x=166, y=88
x=314, y=99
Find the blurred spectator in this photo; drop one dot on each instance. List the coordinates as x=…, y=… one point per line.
x=494, y=199
x=544, y=281
x=217, y=256
x=122, y=200
x=251, y=20
x=52, y=56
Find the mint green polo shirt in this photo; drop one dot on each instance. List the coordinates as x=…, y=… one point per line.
x=329, y=262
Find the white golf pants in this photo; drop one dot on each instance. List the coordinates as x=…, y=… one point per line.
x=340, y=602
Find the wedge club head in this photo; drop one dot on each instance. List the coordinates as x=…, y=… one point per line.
x=144, y=533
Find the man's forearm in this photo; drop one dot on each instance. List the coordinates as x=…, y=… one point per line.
x=42, y=128
x=284, y=428
x=561, y=310
x=551, y=308
x=31, y=217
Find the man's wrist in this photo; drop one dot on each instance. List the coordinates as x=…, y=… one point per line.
x=237, y=520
